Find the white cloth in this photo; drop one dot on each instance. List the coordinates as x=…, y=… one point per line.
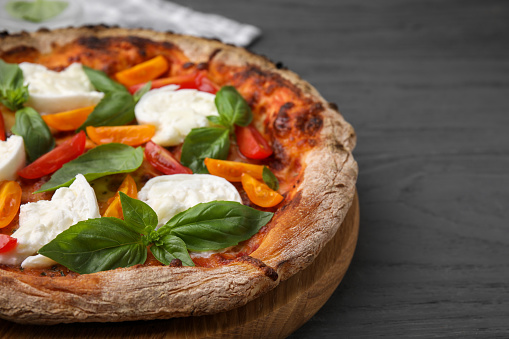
x=159, y=15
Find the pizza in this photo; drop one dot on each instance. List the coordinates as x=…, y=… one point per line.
x=150, y=175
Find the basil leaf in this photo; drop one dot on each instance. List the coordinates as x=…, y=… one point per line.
x=102, y=82
x=171, y=247
x=36, y=134
x=142, y=91
x=115, y=109
x=137, y=214
x=232, y=107
x=217, y=120
x=270, y=179
x=37, y=11
x=98, y=162
x=12, y=92
x=205, y=142
x=215, y=225
x=97, y=245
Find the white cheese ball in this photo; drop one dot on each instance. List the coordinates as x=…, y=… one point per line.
x=169, y=195
x=12, y=157
x=41, y=221
x=54, y=92
x=174, y=112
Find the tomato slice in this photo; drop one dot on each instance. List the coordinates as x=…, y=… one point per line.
x=163, y=160
x=233, y=170
x=197, y=81
x=259, y=193
x=7, y=243
x=68, y=120
x=55, y=159
x=10, y=199
x=2, y=127
x=251, y=143
x=132, y=135
x=143, y=72
x=128, y=187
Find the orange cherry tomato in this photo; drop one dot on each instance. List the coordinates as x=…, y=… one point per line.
x=143, y=72
x=233, y=170
x=128, y=187
x=68, y=120
x=132, y=135
x=259, y=193
x=7, y=243
x=10, y=199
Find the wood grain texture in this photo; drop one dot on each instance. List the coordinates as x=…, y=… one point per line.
x=274, y=315
x=425, y=83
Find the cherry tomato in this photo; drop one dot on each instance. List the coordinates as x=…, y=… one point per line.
x=232, y=170
x=2, y=127
x=128, y=187
x=56, y=158
x=143, y=72
x=10, y=199
x=197, y=81
x=68, y=120
x=132, y=135
x=163, y=160
x=7, y=243
x=259, y=193
x=251, y=143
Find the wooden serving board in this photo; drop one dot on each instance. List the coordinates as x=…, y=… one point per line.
x=274, y=315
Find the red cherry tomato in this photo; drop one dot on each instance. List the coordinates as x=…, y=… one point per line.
x=2, y=127
x=251, y=143
x=7, y=243
x=197, y=81
x=163, y=160
x=55, y=159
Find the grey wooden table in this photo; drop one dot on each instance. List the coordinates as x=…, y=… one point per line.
x=426, y=85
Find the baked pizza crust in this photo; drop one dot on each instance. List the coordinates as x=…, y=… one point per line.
x=311, y=215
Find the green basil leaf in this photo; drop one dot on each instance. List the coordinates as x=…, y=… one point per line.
x=97, y=245
x=36, y=134
x=102, y=82
x=216, y=120
x=115, y=109
x=98, y=162
x=205, y=142
x=14, y=98
x=171, y=247
x=37, y=11
x=137, y=214
x=232, y=107
x=12, y=92
x=270, y=179
x=142, y=91
x=215, y=225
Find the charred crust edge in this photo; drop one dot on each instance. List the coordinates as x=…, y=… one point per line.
x=260, y=265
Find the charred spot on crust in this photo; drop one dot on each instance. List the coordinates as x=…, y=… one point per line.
x=93, y=42
x=176, y=263
x=310, y=122
x=202, y=66
x=281, y=124
x=279, y=156
x=28, y=53
x=267, y=270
